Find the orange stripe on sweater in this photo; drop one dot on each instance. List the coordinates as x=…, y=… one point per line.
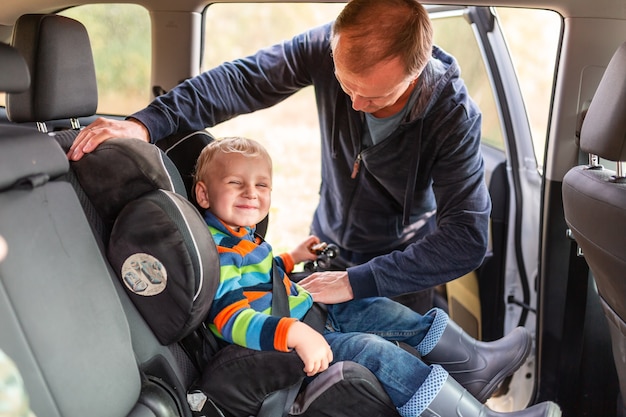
x=280, y=337
x=288, y=261
x=222, y=318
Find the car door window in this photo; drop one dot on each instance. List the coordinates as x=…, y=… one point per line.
x=288, y=130
x=294, y=122
x=533, y=48
x=121, y=45
x=454, y=34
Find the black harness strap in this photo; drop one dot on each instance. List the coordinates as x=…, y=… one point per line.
x=280, y=303
x=278, y=403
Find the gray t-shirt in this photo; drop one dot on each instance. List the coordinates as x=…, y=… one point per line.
x=380, y=128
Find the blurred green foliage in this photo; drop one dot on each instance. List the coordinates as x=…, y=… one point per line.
x=235, y=30
x=121, y=42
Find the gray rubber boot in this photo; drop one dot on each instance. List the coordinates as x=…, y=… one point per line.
x=454, y=400
x=480, y=367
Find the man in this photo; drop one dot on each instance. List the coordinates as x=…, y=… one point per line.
x=402, y=193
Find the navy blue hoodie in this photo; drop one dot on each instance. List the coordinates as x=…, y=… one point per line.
x=432, y=161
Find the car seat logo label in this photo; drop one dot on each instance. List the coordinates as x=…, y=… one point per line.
x=144, y=274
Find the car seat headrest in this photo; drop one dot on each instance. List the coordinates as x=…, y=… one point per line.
x=604, y=128
x=58, y=53
x=121, y=170
x=14, y=75
x=184, y=149
x=29, y=157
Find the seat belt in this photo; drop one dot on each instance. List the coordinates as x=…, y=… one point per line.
x=278, y=403
x=280, y=303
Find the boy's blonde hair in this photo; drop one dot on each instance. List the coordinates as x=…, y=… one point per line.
x=246, y=147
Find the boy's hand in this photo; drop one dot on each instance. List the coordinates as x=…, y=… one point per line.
x=311, y=347
x=303, y=252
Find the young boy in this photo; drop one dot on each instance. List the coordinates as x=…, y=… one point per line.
x=233, y=183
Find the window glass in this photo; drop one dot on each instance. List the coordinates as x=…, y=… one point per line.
x=454, y=34
x=290, y=129
x=121, y=44
x=533, y=48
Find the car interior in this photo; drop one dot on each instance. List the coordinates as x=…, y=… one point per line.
x=147, y=372
x=82, y=344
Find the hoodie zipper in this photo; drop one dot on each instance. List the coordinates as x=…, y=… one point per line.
x=356, y=166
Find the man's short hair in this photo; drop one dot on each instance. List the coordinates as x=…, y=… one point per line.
x=378, y=30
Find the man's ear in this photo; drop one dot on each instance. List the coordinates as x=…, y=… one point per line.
x=202, y=195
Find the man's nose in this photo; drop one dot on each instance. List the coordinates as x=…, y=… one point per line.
x=358, y=102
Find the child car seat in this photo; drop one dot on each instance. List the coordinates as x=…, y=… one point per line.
x=165, y=257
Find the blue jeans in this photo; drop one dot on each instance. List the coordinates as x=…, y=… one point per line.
x=361, y=330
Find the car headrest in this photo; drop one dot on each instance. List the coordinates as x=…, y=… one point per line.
x=121, y=170
x=58, y=53
x=29, y=158
x=604, y=128
x=14, y=75
x=184, y=149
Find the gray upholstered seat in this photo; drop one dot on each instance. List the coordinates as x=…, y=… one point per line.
x=61, y=319
x=594, y=200
x=14, y=77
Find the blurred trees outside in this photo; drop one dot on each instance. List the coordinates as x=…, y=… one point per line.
x=121, y=40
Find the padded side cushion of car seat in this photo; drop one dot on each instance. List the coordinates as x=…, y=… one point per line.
x=121, y=170
x=239, y=379
x=165, y=256
x=345, y=389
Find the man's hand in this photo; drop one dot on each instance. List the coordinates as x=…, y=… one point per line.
x=329, y=287
x=103, y=129
x=310, y=346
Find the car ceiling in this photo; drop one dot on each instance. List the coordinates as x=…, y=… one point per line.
x=12, y=9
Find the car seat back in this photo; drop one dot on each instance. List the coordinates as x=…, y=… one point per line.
x=594, y=201
x=32, y=33
x=160, y=248
x=60, y=317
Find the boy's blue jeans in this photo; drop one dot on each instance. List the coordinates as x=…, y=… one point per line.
x=362, y=330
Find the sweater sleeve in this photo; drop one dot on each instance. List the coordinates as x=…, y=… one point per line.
x=285, y=261
x=459, y=242
x=237, y=87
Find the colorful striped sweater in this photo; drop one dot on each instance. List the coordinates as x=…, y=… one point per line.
x=241, y=309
